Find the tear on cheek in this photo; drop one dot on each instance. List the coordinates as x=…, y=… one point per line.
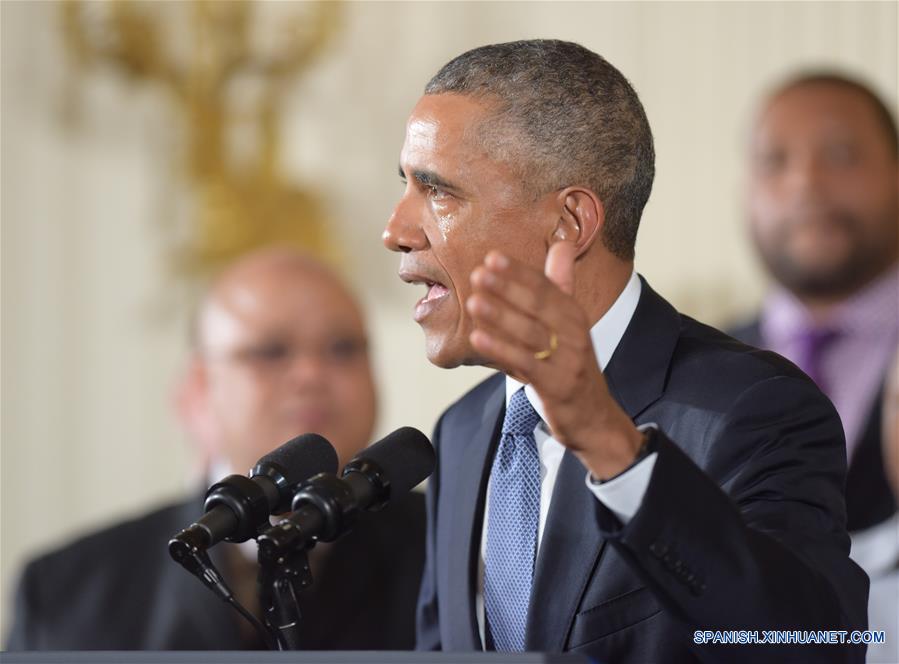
x=445, y=224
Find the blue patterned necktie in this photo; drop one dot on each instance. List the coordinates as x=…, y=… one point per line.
x=513, y=519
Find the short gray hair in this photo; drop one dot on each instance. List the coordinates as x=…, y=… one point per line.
x=566, y=117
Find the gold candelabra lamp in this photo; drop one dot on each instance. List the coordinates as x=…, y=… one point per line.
x=227, y=76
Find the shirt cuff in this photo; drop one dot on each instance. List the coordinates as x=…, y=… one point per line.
x=623, y=495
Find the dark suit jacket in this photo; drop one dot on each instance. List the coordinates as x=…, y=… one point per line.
x=869, y=499
x=119, y=590
x=742, y=525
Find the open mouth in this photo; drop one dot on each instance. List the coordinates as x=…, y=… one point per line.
x=434, y=297
x=435, y=293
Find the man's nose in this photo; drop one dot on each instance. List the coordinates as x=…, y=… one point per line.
x=306, y=369
x=403, y=231
x=806, y=175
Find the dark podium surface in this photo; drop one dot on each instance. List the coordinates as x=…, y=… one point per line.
x=299, y=657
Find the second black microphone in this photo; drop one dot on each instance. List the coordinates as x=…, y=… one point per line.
x=326, y=506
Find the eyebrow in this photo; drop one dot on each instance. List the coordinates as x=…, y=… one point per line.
x=428, y=179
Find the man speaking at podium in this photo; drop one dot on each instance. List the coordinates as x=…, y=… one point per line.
x=631, y=478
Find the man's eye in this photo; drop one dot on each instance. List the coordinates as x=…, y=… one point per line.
x=841, y=155
x=345, y=349
x=266, y=353
x=772, y=162
x=436, y=193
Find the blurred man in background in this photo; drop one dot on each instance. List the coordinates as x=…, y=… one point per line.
x=280, y=349
x=823, y=207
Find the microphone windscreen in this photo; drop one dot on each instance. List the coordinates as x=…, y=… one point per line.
x=302, y=457
x=406, y=457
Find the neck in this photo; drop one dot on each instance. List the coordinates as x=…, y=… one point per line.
x=821, y=307
x=599, y=284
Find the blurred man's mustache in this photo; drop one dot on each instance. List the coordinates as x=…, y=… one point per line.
x=823, y=217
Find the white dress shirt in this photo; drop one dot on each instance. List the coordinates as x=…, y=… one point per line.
x=876, y=550
x=623, y=494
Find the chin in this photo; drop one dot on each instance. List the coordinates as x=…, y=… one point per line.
x=442, y=351
x=445, y=354
x=440, y=358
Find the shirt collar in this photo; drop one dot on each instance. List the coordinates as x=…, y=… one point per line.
x=870, y=311
x=606, y=334
x=876, y=549
x=874, y=309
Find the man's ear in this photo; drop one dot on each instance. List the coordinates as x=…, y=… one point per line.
x=191, y=400
x=580, y=220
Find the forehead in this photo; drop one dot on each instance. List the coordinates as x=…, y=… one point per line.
x=444, y=120
x=444, y=129
x=822, y=111
x=459, y=138
x=284, y=302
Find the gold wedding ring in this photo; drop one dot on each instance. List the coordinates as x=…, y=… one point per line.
x=553, y=344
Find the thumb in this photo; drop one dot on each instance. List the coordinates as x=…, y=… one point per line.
x=559, y=266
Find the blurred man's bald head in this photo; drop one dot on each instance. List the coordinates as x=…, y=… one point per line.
x=237, y=286
x=284, y=351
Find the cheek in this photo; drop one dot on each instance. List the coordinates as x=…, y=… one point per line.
x=765, y=215
x=766, y=199
x=458, y=247
x=239, y=397
x=353, y=393
x=867, y=195
x=446, y=218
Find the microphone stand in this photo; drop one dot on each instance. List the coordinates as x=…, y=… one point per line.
x=191, y=553
x=284, y=553
x=281, y=578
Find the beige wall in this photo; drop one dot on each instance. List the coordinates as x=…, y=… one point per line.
x=92, y=326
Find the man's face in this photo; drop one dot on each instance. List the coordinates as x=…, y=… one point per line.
x=285, y=354
x=823, y=191
x=458, y=204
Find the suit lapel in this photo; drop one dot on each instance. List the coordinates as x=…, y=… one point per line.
x=470, y=472
x=570, y=551
x=869, y=499
x=570, y=547
x=638, y=369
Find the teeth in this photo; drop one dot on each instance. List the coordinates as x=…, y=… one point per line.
x=435, y=291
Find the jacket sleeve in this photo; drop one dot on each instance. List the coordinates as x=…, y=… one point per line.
x=23, y=633
x=765, y=550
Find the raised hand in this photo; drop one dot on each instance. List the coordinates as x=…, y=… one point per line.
x=529, y=325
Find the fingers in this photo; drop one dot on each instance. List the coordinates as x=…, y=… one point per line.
x=550, y=376
x=524, y=288
x=516, y=310
x=491, y=313
x=512, y=357
x=559, y=266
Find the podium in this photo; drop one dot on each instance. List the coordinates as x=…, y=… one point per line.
x=296, y=657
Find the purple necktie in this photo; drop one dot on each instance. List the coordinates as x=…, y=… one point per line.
x=814, y=343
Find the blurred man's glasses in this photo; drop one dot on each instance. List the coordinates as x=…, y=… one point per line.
x=277, y=355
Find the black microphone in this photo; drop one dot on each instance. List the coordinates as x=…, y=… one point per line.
x=238, y=506
x=326, y=506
